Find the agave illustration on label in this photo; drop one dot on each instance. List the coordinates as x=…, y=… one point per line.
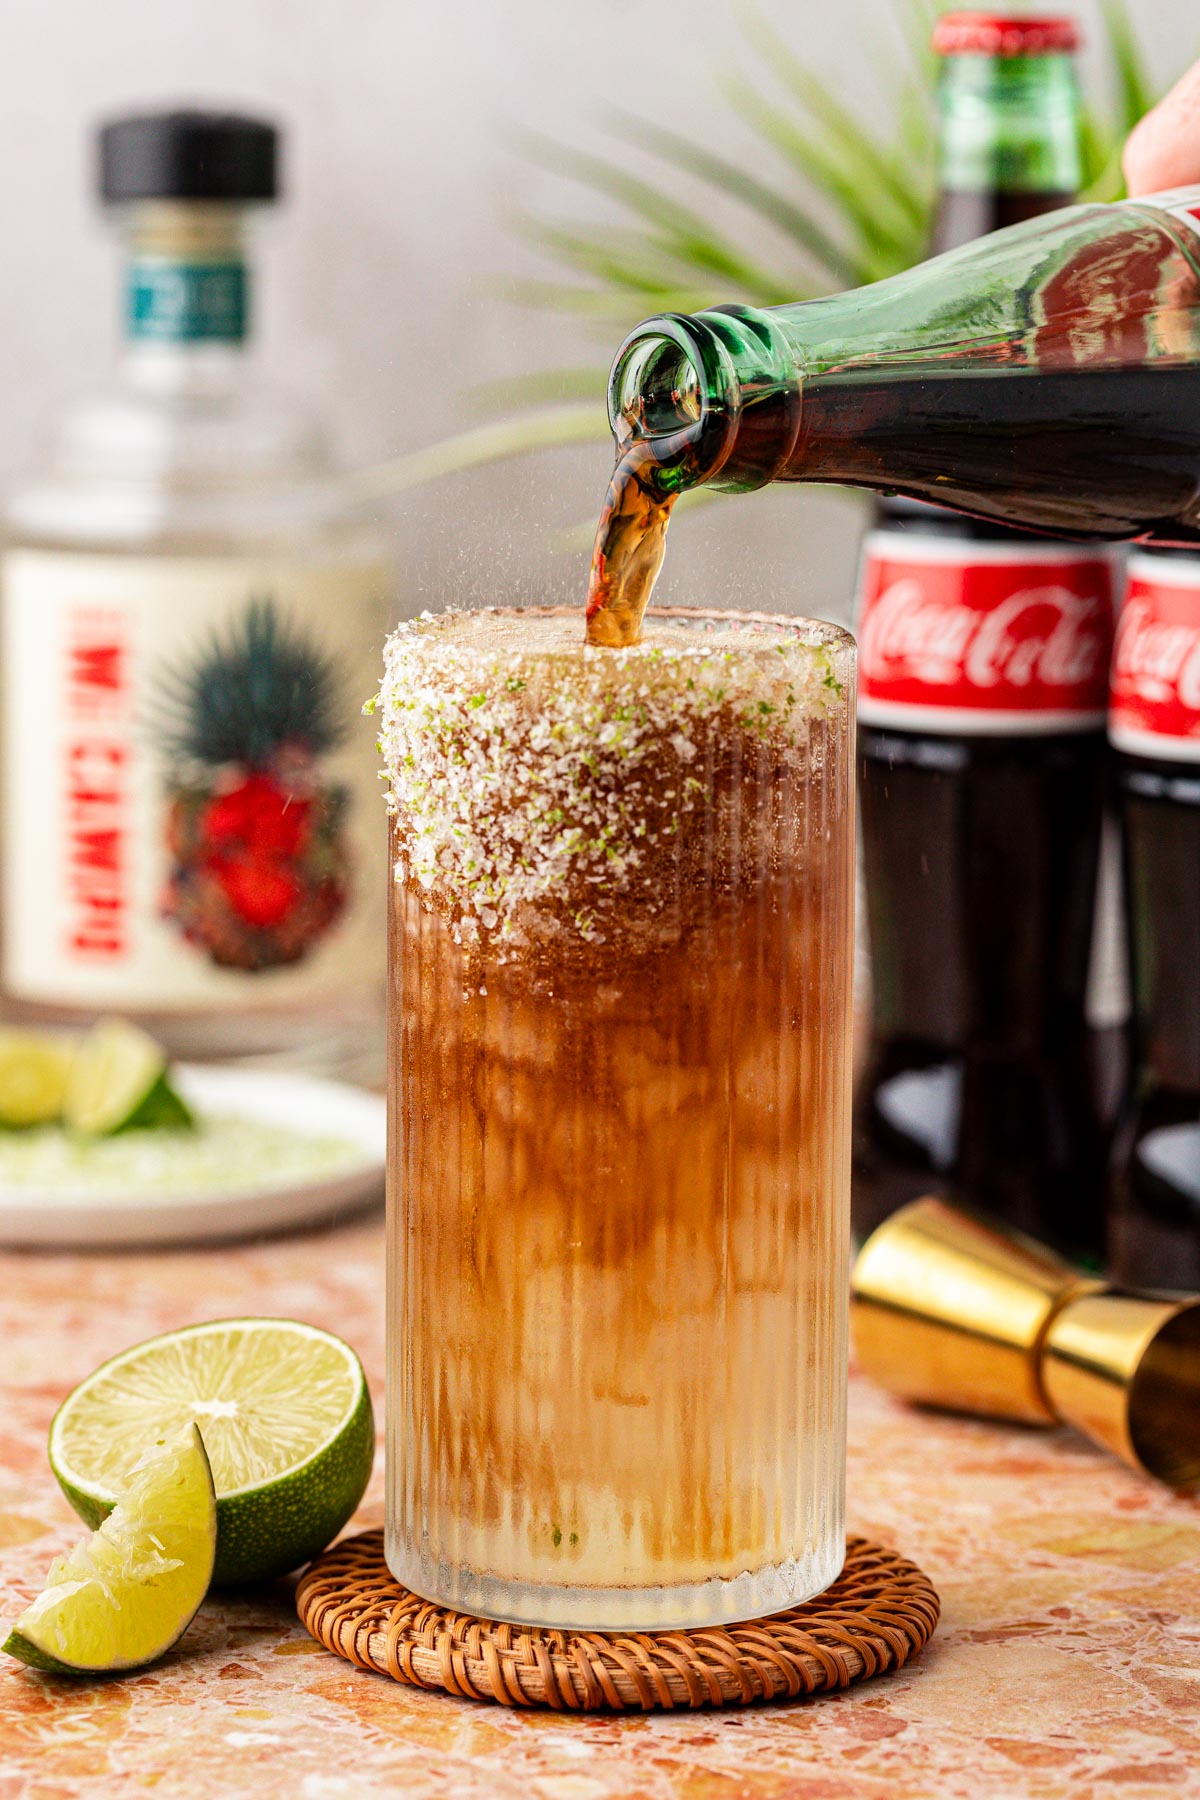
x=259, y=863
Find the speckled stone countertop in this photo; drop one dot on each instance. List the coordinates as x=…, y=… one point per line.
x=1067, y=1663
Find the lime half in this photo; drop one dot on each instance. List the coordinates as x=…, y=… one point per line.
x=130, y=1591
x=33, y=1078
x=119, y=1082
x=286, y=1419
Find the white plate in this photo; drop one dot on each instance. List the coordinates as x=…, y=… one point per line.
x=46, y=1216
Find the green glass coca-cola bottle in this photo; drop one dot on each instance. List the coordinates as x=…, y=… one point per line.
x=983, y=657
x=1045, y=376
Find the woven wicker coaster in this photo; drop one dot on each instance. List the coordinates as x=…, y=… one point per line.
x=880, y=1611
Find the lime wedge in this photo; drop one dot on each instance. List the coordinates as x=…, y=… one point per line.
x=118, y=1082
x=130, y=1591
x=286, y=1417
x=33, y=1078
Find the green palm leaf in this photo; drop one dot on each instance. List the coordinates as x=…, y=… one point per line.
x=705, y=250
x=612, y=308
x=1136, y=92
x=550, y=429
x=848, y=204
x=869, y=168
x=917, y=21
x=885, y=241
x=638, y=264
x=739, y=184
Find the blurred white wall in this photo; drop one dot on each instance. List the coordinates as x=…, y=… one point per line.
x=384, y=287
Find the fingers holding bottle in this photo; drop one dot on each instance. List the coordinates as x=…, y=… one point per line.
x=1163, y=151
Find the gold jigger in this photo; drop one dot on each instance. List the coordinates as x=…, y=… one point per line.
x=1125, y=1370
x=951, y=1312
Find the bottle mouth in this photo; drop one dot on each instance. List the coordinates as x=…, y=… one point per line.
x=706, y=397
x=657, y=389
x=673, y=389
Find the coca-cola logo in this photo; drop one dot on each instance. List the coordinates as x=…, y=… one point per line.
x=1156, y=662
x=989, y=635
x=1044, y=636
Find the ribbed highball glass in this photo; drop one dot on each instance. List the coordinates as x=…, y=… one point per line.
x=619, y=1082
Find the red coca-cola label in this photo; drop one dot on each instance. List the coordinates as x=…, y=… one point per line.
x=959, y=636
x=1182, y=203
x=1154, y=701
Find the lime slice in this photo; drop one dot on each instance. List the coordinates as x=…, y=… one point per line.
x=130, y=1591
x=287, y=1423
x=33, y=1078
x=119, y=1082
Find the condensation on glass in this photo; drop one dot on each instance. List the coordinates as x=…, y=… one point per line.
x=621, y=947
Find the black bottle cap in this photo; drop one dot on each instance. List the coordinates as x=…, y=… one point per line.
x=188, y=155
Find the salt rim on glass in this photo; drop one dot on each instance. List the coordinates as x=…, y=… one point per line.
x=527, y=769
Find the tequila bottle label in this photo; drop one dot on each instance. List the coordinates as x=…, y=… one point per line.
x=1155, y=697
x=962, y=635
x=192, y=814
x=168, y=301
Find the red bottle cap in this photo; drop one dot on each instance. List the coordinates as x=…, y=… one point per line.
x=1002, y=34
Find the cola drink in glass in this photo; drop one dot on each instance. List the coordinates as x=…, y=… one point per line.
x=1154, y=725
x=981, y=757
x=619, y=1089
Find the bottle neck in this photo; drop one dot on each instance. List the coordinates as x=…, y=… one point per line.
x=1009, y=125
x=186, y=293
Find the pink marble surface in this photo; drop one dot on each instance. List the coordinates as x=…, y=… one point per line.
x=1067, y=1664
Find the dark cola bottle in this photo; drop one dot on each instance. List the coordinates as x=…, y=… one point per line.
x=1047, y=377
x=1154, y=724
x=983, y=655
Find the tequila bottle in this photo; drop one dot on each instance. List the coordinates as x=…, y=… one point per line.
x=191, y=620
